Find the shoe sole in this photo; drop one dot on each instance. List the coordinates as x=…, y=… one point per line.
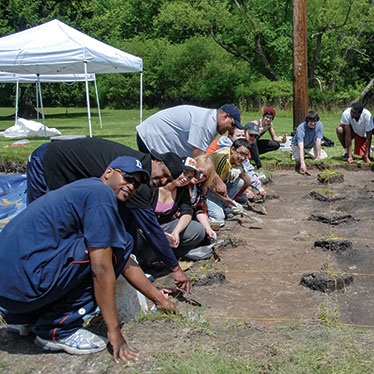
x=48, y=345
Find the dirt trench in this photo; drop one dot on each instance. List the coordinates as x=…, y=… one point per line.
x=252, y=295
x=264, y=266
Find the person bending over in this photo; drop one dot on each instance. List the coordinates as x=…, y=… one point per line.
x=60, y=257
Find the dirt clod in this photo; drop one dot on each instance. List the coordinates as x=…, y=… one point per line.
x=332, y=218
x=334, y=245
x=320, y=281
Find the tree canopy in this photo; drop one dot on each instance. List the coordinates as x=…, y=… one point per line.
x=213, y=51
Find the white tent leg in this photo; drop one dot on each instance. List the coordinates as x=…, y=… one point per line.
x=88, y=100
x=98, y=104
x=17, y=93
x=141, y=98
x=37, y=101
x=41, y=105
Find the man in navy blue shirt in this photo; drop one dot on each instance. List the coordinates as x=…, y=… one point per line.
x=60, y=257
x=55, y=164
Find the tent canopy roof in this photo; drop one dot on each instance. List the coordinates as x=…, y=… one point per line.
x=56, y=48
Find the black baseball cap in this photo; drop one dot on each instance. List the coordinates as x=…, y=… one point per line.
x=252, y=128
x=172, y=161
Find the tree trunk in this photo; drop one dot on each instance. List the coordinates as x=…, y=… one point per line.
x=365, y=91
x=26, y=107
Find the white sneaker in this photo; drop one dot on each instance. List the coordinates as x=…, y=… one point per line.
x=20, y=329
x=82, y=342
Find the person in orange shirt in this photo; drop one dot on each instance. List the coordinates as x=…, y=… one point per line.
x=225, y=141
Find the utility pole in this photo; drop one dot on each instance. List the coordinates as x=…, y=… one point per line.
x=300, y=62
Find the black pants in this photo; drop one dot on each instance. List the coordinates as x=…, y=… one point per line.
x=260, y=147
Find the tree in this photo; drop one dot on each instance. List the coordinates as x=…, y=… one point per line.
x=341, y=40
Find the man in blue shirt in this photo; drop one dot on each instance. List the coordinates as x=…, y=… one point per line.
x=60, y=257
x=55, y=164
x=307, y=140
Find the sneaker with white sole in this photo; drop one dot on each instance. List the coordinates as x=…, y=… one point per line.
x=21, y=329
x=82, y=342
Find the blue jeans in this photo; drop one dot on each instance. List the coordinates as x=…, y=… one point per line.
x=216, y=206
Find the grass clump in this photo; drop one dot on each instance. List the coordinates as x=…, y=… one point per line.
x=203, y=362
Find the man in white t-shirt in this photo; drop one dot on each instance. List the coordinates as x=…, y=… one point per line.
x=356, y=123
x=186, y=130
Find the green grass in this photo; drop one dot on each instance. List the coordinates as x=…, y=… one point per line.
x=317, y=348
x=119, y=126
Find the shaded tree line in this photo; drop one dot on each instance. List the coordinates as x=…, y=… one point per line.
x=209, y=52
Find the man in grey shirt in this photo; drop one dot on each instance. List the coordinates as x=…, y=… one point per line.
x=186, y=130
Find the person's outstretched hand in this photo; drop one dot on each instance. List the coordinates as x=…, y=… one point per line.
x=121, y=351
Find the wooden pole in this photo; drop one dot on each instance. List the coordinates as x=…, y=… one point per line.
x=300, y=62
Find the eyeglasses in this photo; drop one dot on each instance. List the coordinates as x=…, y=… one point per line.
x=242, y=154
x=313, y=120
x=253, y=136
x=129, y=178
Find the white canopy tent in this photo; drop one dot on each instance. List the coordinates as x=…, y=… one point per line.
x=34, y=78
x=55, y=48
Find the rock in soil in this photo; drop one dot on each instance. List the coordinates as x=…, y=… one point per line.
x=320, y=281
x=334, y=245
x=332, y=218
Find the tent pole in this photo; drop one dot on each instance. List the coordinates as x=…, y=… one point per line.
x=88, y=100
x=37, y=101
x=17, y=93
x=98, y=103
x=141, y=97
x=41, y=104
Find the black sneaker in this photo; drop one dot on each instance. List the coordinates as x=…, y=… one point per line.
x=345, y=157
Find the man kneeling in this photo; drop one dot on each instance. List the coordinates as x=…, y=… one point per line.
x=60, y=257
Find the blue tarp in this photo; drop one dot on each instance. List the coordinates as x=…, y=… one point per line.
x=12, y=196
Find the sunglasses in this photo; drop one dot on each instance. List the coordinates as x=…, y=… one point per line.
x=253, y=136
x=129, y=178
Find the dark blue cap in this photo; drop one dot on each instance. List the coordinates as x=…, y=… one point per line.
x=130, y=165
x=234, y=113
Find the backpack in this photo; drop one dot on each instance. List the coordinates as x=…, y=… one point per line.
x=326, y=142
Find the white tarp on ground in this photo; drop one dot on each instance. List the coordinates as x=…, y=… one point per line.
x=56, y=48
x=27, y=128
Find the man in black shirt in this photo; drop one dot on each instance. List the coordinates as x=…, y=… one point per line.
x=55, y=164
